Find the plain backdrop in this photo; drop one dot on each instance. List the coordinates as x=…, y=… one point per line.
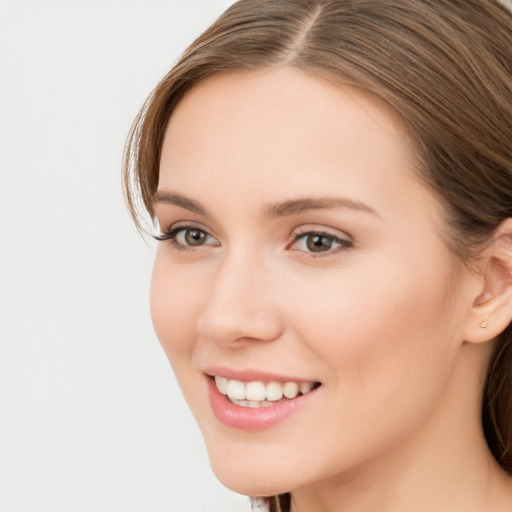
x=91, y=418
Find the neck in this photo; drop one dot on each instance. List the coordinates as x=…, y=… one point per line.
x=444, y=465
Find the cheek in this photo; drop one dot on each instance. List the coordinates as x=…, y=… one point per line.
x=381, y=335
x=176, y=301
x=173, y=301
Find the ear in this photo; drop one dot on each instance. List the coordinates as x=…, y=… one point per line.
x=491, y=311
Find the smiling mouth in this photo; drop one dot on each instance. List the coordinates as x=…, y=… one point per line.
x=257, y=394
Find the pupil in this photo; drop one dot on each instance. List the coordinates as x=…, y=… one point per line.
x=194, y=237
x=318, y=243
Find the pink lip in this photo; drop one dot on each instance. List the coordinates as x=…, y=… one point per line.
x=246, y=418
x=248, y=375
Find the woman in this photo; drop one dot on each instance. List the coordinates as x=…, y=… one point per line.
x=332, y=181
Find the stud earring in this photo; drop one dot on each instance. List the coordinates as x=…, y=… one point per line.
x=483, y=325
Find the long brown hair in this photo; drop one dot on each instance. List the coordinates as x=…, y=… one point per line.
x=445, y=66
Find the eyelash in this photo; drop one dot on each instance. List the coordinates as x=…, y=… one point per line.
x=172, y=233
x=343, y=244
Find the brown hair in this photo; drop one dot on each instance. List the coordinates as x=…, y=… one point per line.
x=445, y=66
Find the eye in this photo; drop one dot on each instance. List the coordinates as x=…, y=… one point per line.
x=320, y=242
x=183, y=237
x=191, y=237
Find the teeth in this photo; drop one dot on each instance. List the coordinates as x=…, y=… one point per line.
x=291, y=389
x=306, y=387
x=222, y=384
x=236, y=390
x=255, y=391
x=274, y=391
x=257, y=394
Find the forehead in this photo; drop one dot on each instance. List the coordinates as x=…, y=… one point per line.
x=304, y=135
x=282, y=98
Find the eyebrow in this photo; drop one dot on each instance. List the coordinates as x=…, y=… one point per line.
x=297, y=206
x=272, y=210
x=162, y=197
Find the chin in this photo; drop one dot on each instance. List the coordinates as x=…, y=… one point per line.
x=249, y=486
x=250, y=479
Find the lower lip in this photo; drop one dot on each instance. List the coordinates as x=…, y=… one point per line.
x=248, y=418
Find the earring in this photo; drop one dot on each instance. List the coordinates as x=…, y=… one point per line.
x=483, y=325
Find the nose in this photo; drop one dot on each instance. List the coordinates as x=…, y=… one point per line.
x=241, y=305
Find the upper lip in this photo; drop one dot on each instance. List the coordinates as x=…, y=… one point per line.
x=250, y=375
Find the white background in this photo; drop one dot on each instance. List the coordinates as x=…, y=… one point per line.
x=91, y=418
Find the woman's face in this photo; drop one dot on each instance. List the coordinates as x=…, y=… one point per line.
x=301, y=248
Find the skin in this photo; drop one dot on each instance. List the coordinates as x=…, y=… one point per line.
x=381, y=320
